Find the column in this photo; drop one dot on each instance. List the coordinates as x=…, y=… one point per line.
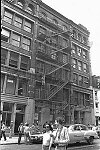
x=13, y=115
x=79, y=120
x=1, y=106
x=45, y=115
x=19, y=62
x=5, y=81
x=16, y=89
x=30, y=111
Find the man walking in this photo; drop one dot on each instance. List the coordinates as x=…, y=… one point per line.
x=61, y=136
x=20, y=132
x=3, y=128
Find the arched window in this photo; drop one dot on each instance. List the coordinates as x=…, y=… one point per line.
x=30, y=9
x=20, y=3
x=65, y=28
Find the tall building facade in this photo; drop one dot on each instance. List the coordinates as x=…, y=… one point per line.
x=96, y=99
x=45, y=65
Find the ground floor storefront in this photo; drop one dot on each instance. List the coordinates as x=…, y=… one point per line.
x=23, y=109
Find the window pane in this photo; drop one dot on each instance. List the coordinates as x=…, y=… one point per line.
x=2, y=81
x=16, y=40
x=26, y=44
x=18, y=21
x=22, y=87
x=19, y=4
x=8, y=17
x=79, y=65
x=24, y=63
x=10, y=85
x=65, y=58
x=13, y=62
x=27, y=26
x=3, y=56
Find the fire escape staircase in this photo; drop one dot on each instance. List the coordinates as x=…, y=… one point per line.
x=55, y=90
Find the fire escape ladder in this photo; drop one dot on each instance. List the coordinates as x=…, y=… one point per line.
x=56, y=90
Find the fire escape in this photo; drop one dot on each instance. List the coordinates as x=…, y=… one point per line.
x=60, y=84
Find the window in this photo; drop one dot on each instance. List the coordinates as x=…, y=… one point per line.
x=27, y=26
x=75, y=97
x=42, y=33
x=3, y=56
x=22, y=87
x=64, y=43
x=13, y=61
x=80, y=78
x=80, y=65
x=85, y=67
x=7, y=111
x=18, y=21
x=74, y=34
x=65, y=28
x=25, y=61
x=83, y=127
x=65, y=59
x=75, y=78
x=40, y=67
x=8, y=16
x=79, y=37
x=74, y=61
x=84, y=54
x=20, y=4
x=43, y=15
x=53, y=54
x=79, y=52
x=84, y=40
x=87, y=99
x=73, y=49
x=10, y=85
x=86, y=82
x=65, y=75
x=54, y=41
x=26, y=44
x=5, y=35
x=42, y=30
x=15, y=40
x=30, y=9
x=2, y=81
x=96, y=105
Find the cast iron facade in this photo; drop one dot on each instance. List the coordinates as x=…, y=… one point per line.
x=45, y=65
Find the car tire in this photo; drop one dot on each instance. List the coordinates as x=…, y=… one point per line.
x=90, y=140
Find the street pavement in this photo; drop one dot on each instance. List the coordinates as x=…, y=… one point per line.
x=12, y=144
x=13, y=140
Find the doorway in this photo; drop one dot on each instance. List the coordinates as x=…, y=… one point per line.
x=19, y=118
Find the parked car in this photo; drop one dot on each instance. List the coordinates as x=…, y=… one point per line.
x=36, y=137
x=98, y=130
x=81, y=133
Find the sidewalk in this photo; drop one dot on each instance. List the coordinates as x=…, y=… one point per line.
x=13, y=140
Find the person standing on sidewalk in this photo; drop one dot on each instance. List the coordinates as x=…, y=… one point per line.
x=26, y=133
x=47, y=138
x=3, y=128
x=11, y=129
x=61, y=137
x=20, y=132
